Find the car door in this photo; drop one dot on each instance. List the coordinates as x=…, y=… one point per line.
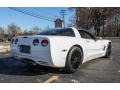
x=93, y=46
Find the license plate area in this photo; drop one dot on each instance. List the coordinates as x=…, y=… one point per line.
x=25, y=49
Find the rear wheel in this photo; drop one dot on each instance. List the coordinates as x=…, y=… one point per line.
x=108, y=51
x=74, y=59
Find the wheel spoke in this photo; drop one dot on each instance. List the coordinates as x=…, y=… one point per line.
x=75, y=59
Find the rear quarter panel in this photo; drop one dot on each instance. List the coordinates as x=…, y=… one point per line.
x=58, y=44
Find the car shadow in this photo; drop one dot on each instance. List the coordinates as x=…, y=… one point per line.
x=10, y=66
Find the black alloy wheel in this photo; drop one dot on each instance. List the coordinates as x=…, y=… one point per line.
x=74, y=59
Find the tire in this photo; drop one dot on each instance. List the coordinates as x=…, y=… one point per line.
x=74, y=59
x=108, y=51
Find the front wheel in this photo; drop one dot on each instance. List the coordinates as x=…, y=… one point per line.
x=74, y=59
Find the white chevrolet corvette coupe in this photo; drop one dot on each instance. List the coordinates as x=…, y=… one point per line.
x=64, y=48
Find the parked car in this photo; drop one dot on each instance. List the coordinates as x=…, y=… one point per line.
x=64, y=48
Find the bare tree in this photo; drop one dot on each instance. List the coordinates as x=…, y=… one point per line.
x=35, y=29
x=13, y=30
x=98, y=18
x=32, y=31
x=1, y=30
x=2, y=34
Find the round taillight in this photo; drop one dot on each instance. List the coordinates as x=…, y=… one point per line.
x=44, y=42
x=12, y=41
x=16, y=41
x=35, y=42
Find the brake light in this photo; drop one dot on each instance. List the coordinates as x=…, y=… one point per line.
x=12, y=41
x=44, y=42
x=16, y=41
x=35, y=42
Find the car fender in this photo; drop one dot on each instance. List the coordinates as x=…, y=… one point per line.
x=60, y=48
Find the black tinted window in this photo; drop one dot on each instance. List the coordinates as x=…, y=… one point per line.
x=58, y=32
x=86, y=35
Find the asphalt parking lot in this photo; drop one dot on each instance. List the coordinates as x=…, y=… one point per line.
x=102, y=70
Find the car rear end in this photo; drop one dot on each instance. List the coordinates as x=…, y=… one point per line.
x=34, y=49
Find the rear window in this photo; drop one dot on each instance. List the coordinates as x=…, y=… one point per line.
x=58, y=32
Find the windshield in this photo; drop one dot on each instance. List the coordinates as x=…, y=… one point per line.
x=58, y=32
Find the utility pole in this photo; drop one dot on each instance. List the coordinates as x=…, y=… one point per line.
x=63, y=13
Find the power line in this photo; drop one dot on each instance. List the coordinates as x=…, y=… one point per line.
x=37, y=10
x=31, y=14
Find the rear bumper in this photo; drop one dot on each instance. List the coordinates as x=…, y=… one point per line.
x=45, y=58
x=31, y=59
